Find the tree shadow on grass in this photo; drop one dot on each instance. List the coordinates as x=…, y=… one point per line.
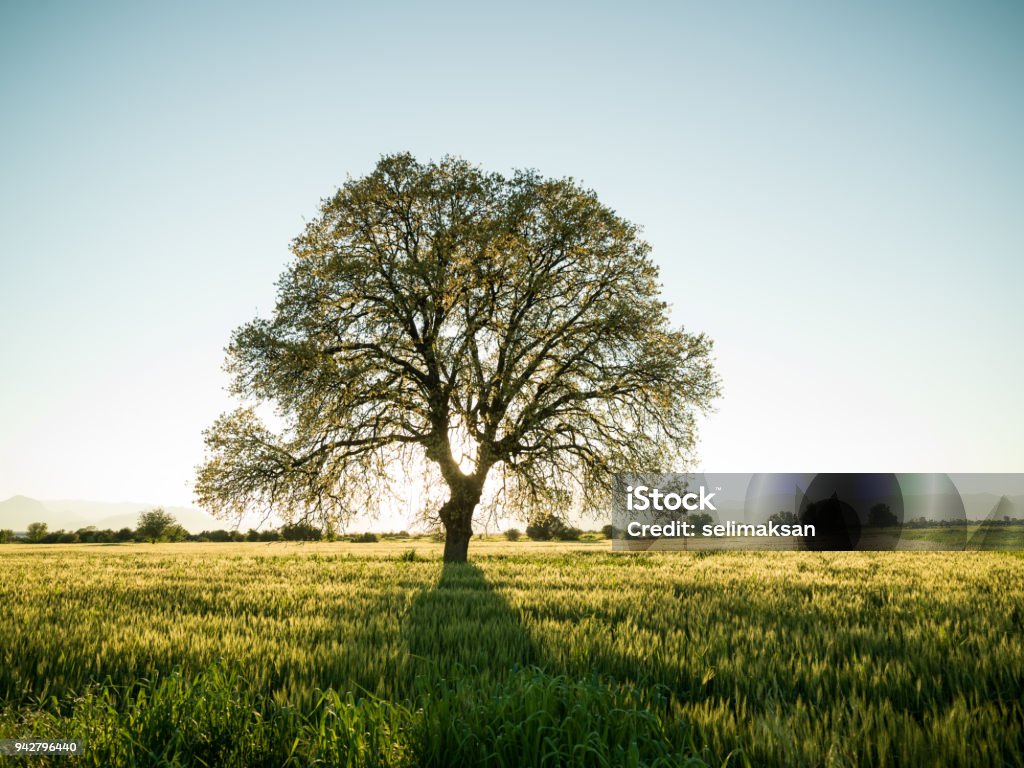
x=485, y=694
x=463, y=629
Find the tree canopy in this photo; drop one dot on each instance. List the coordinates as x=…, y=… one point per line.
x=37, y=532
x=502, y=337
x=156, y=524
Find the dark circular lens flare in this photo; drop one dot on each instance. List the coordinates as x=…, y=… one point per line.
x=853, y=511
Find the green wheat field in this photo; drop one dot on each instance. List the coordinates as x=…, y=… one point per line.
x=532, y=654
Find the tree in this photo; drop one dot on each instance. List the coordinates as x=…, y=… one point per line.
x=502, y=336
x=301, y=532
x=37, y=532
x=882, y=516
x=6, y=536
x=698, y=520
x=155, y=524
x=547, y=526
x=175, y=532
x=219, y=536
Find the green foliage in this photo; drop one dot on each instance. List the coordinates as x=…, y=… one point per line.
x=513, y=534
x=175, y=532
x=257, y=535
x=301, y=531
x=59, y=536
x=223, y=536
x=882, y=516
x=157, y=525
x=435, y=310
x=540, y=529
x=548, y=527
x=6, y=536
x=37, y=532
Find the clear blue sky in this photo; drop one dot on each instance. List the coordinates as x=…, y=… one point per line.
x=835, y=193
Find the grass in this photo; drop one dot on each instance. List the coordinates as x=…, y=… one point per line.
x=560, y=654
x=216, y=719
x=971, y=537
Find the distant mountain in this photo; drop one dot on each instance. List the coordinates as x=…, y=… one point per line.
x=71, y=514
x=18, y=511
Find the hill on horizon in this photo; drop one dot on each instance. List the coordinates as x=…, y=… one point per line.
x=71, y=514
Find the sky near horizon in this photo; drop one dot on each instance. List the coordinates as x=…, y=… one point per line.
x=834, y=193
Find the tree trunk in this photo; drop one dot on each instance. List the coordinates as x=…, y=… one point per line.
x=456, y=545
x=457, y=516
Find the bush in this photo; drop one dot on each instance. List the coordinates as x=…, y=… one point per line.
x=513, y=534
x=539, y=531
x=175, y=533
x=548, y=527
x=37, y=532
x=301, y=532
x=155, y=525
x=91, y=535
x=60, y=537
x=220, y=535
x=364, y=538
x=568, y=533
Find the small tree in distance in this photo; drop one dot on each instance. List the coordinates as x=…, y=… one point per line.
x=301, y=532
x=175, y=532
x=156, y=525
x=698, y=520
x=464, y=326
x=547, y=526
x=37, y=532
x=882, y=516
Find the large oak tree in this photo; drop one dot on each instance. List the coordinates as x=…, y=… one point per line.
x=504, y=334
